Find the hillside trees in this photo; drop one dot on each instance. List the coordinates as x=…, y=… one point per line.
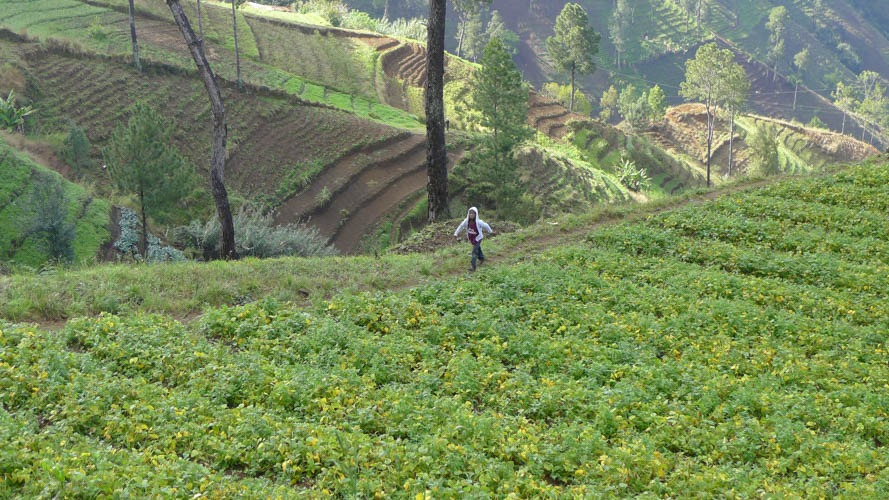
x=608, y=104
x=469, y=21
x=708, y=79
x=737, y=88
x=764, y=160
x=574, y=43
x=235, y=4
x=142, y=162
x=220, y=131
x=562, y=93
x=436, y=154
x=633, y=107
x=132, y=12
x=873, y=105
x=657, y=103
x=502, y=98
x=845, y=100
x=801, y=65
x=617, y=29
x=776, y=25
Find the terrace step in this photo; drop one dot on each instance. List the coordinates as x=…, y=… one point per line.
x=345, y=171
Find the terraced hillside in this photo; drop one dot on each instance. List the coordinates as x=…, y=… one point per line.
x=354, y=192
x=277, y=145
x=683, y=133
x=29, y=199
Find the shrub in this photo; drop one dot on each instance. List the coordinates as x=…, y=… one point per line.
x=816, y=122
x=255, y=236
x=764, y=158
x=128, y=243
x=48, y=206
x=76, y=148
x=631, y=176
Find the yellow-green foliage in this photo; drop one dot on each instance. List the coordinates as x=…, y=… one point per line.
x=727, y=348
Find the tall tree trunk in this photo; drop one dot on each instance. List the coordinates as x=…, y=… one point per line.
x=200, y=22
x=795, y=90
x=136, y=62
x=143, y=239
x=710, y=125
x=571, y=105
x=436, y=155
x=217, y=157
x=700, y=7
x=843, y=131
x=731, y=143
x=237, y=53
x=386, y=10
x=460, y=39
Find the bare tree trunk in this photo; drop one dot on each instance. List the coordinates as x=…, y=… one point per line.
x=843, y=131
x=200, y=22
x=571, y=105
x=436, y=154
x=731, y=143
x=237, y=53
x=136, y=62
x=460, y=39
x=795, y=90
x=710, y=125
x=217, y=157
x=143, y=243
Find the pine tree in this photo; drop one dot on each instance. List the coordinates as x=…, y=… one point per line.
x=142, y=162
x=574, y=43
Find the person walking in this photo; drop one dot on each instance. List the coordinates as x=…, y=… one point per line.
x=475, y=232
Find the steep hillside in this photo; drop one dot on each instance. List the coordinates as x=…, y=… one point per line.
x=42, y=214
x=278, y=144
x=734, y=346
x=661, y=36
x=683, y=133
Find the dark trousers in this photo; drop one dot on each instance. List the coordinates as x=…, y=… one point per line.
x=477, y=254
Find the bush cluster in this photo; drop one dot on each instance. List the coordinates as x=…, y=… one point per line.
x=128, y=243
x=255, y=236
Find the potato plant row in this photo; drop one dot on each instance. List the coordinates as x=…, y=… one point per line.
x=736, y=348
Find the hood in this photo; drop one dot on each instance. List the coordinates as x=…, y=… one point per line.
x=472, y=209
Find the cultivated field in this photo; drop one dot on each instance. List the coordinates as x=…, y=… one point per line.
x=734, y=347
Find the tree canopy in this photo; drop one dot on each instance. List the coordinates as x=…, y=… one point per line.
x=574, y=43
x=142, y=162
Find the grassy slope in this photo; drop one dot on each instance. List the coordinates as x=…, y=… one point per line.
x=90, y=215
x=733, y=347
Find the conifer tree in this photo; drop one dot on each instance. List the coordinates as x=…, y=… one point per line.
x=574, y=44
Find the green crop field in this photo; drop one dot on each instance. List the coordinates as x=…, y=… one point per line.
x=728, y=348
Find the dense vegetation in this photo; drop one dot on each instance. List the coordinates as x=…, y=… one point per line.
x=734, y=347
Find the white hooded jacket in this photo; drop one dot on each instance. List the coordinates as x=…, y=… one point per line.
x=482, y=225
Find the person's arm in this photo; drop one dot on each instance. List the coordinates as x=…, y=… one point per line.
x=486, y=227
x=460, y=228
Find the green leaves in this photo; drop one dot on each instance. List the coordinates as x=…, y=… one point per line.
x=734, y=346
x=12, y=117
x=574, y=44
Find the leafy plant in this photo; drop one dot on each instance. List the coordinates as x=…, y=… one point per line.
x=631, y=176
x=12, y=117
